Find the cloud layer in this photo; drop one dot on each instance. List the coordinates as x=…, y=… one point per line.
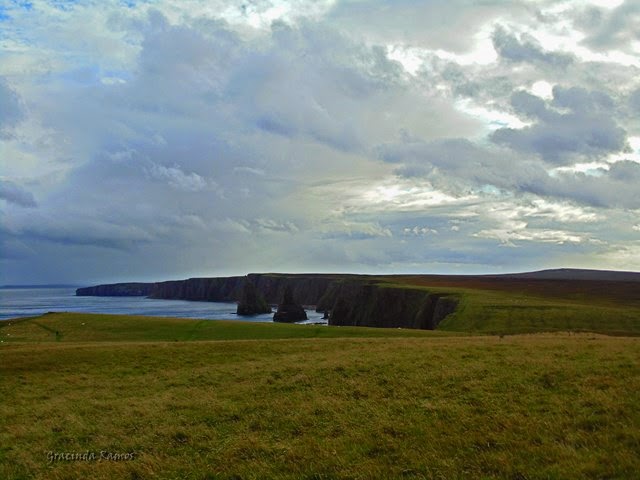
x=206, y=139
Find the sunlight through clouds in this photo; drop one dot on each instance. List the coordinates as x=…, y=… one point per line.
x=352, y=136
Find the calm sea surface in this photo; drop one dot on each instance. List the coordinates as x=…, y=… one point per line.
x=27, y=302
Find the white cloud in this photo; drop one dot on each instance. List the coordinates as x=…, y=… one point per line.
x=354, y=230
x=316, y=135
x=520, y=232
x=271, y=225
x=191, y=182
x=419, y=231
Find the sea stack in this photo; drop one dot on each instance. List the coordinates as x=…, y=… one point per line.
x=252, y=302
x=289, y=311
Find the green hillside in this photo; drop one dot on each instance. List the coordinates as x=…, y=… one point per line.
x=505, y=313
x=510, y=306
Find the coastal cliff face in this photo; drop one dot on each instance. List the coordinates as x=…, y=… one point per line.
x=216, y=289
x=351, y=299
x=306, y=289
x=117, y=290
x=372, y=305
x=252, y=301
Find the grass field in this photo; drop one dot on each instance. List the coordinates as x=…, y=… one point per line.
x=207, y=400
x=510, y=306
x=87, y=327
x=507, y=313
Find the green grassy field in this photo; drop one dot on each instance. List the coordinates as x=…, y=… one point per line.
x=513, y=307
x=507, y=313
x=207, y=400
x=87, y=327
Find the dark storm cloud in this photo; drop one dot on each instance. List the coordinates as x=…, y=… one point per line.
x=305, y=86
x=613, y=188
x=634, y=101
x=89, y=233
x=13, y=193
x=589, y=128
x=456, y=165
x=11, y=111
x=525, y=49
x=617, y=28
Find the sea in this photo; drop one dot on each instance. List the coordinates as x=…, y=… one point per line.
x=32, y=301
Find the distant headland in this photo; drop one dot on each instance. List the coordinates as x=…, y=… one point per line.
x=392, y=301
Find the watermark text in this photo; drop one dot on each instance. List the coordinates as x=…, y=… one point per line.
x=90, y=456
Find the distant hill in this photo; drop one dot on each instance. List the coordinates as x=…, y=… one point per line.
x=575, y=274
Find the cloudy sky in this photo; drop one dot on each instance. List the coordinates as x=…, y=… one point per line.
x=149, y=140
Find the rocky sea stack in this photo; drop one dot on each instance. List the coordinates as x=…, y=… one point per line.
x=289, y=311
x=252, y=302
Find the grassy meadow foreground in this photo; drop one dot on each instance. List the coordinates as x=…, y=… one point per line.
x=204, y=400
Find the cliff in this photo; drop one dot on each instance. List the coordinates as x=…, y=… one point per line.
x=216, y=289
x=350, y=299
x=117, y=290
x=388, y=306
x=307, y=289
x=252, y=302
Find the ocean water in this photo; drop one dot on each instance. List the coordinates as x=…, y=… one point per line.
x=28, y=302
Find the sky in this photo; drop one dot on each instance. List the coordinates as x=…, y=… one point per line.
x=153, y=140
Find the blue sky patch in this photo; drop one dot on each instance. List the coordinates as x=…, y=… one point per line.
x=26, y=5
